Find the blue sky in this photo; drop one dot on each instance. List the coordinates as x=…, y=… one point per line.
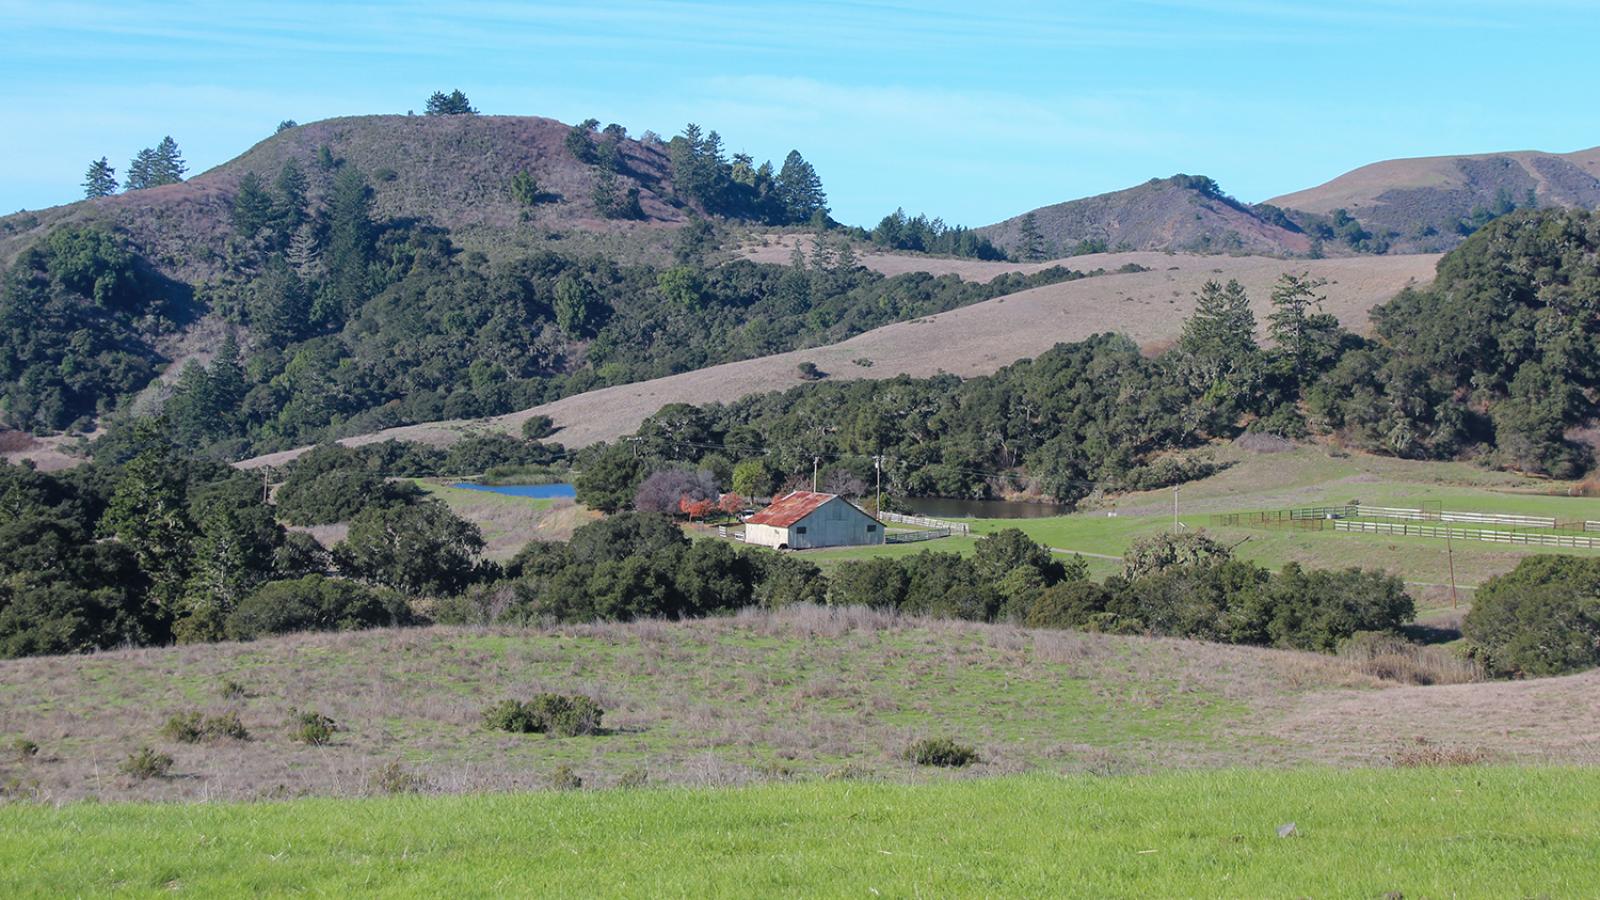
x=972, y=111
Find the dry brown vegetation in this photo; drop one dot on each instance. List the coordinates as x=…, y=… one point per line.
x=807, y=692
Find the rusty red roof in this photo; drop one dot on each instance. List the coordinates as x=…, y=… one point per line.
x=789, y=509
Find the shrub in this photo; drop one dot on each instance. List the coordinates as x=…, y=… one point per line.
x=311, y=728
x=145, y=764
x=633, y=778
x=194, y=727
x=392, y=778
x=512, y=716
x=564, y=779
x=808, y=371
x=941, y=752
x=233, y=690
x=24, y=749
x=537, y=428
x=555, y=714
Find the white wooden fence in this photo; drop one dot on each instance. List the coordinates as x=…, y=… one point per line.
x=1529, y=538
x=1475, y=518
x=925, y=522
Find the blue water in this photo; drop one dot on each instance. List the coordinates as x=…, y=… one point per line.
x=536, y=491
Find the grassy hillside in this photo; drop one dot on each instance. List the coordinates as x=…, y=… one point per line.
x=1178, y=213
x=1424, y=201
x=449, y=171
x=1418, y=833
x=802, y=693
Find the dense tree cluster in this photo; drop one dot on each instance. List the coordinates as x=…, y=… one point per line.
x=1541, y=618
x=454, y=103
x=156, y=166
x=898, y=231
x=703, y=174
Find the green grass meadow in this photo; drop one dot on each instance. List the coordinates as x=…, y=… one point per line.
x=1459, y=832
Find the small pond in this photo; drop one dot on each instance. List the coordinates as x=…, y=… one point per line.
x=536, y=491
x=950, y=508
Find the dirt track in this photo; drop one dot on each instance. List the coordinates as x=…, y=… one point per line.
x=1149, y=307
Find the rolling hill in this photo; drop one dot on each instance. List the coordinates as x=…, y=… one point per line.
x=1423, y=201
x=1149, y=306
x=1183, y=212
x=449, y=171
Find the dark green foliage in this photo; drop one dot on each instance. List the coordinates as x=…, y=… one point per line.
x=1030, y=243
x=419, y=549
x=195, y=727
x=537, y=428
x=799, y=190
x=331, y=483
x=609, y=477
x=315, y=603
x=897, y=231
x=285, y=125
x=454, y=103
x=77, y=315
x=1541, y=618
x=524, y=189
x=311, y=728
x=157, y=166
x=555, y=714
x=145, y=764
x=100, y=181
x=942, y=752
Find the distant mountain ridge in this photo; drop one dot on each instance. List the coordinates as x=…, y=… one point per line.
x=1427, y=203
x=1180, y=213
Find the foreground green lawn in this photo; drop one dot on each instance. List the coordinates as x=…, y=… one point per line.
x=1461, y=832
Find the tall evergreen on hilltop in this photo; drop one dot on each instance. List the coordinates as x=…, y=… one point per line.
x=101, y=180
x=800, y=189
x=156, y=166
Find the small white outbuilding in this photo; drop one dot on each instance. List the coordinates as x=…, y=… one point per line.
x=805, y=519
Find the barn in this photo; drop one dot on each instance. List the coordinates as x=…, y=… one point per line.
x=806, y=519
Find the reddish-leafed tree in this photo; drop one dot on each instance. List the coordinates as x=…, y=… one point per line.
x=731, y=503
x=695, y=509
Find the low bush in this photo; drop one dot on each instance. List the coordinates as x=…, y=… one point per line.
x=392, y=778
x=195, y=727
x=145, y=763
x=1541, y=618
x=941, y=752
x=555, y=714
x=315, y=603
x=232, y=690
x=24, y=749
x=312, y=728
x=564, y=779
x=1425, y=753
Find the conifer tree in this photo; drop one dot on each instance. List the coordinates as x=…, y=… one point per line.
x=1030, y=243
x=101, y=180
x=252, y=207
x=800, y=189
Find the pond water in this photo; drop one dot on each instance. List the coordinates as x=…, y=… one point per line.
x=536, y=491
x=950, y=508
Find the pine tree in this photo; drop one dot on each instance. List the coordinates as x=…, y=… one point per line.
x=451, y=104
x=279, y=305
x=147, y=514
x=1030, y=242
x=1294, y=298
x=304, y=253
x=252, y=207
x=799, y=189
x=141, y=170
x=289, y=206
x=350, y=247
x=170, y=166
x=1219, y=340
x=101, y=180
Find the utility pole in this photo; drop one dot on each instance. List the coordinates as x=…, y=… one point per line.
x=1450, y=552
x=1175, y=524
x=814, y=461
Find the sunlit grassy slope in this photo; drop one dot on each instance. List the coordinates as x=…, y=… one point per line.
x=1470, y=832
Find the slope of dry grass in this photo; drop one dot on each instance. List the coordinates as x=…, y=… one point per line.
x=1148, y=306
x=797, y=694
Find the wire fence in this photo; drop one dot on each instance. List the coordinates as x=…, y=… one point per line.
x=1355, y=518
x=925, y=522
x=1528, y=538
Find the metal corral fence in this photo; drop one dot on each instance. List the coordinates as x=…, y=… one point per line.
x=1530, y=538
x=1307, y=517
x=925, y=522
x=1475, y=518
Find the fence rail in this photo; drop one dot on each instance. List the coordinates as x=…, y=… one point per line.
x=1572, y=541
x=1476, y=518
x=911, y=537
x=925, y=522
